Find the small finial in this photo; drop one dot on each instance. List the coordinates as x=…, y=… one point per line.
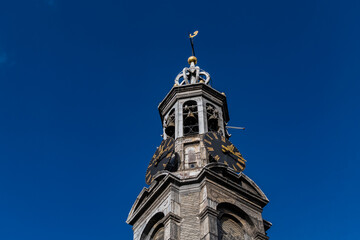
x=192, y=59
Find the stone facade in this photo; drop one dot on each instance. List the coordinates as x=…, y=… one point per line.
x=202, y=199
x=200, y=93
x=191, y=208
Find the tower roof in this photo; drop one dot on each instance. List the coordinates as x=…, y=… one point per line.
x=189, y=90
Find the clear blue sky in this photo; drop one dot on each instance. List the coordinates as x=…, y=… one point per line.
x=80, y=82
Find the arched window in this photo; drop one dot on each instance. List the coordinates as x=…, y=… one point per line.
x=190, y=118
x=230, y=228
x=154, y=229
x=192, y=154
x=169, y=124
x=212, y=118
x=158, y=234
x=233, y=223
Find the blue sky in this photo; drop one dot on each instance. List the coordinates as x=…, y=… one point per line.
x=80, y=82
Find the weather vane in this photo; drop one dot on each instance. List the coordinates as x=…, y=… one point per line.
x=191, y=36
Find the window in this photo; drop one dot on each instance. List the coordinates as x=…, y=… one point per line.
x=154, y=229
x=190, y=118
x=212, y=118
x=169, y=124
x=233, y=223
x=159, y=234
x=230, y=229
x=192, y=154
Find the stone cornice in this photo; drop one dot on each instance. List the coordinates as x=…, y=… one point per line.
x=171, y=217
x=218, y=173
x=208, y=211
x=267, y=225
x=192, y=90
x=148, y=197
x=261, y=236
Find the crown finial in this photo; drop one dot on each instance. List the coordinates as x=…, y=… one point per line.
x=192, y=74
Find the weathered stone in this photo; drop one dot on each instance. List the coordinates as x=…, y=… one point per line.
x=191, y=206
x=200, y=200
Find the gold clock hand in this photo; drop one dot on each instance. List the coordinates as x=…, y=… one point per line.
x=230, y=149
x=224, y=149
x=160, y=157
x=163, y=151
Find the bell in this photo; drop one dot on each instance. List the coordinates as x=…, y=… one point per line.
x=213, y=123
x=190, y=119
x=170, y=129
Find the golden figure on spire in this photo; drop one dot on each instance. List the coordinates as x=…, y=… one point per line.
x=191, y=36
x=194, y=34
x=192, y=58
x=192, y=74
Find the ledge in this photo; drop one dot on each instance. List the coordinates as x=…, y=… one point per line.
x=216, y=172
x=197, y=89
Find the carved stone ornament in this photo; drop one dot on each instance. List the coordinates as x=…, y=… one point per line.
x=191, y=75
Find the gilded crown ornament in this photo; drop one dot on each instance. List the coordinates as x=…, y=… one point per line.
x=192, y=74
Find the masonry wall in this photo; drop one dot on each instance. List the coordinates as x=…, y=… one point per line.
x=189, y=211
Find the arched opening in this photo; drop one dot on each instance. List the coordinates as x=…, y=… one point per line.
x=230, y=228
x=190, y=118
x=212, y=118
x=233, y=223
x=169, y=124
x=154, y=228
x=158, y=233
x=192, y=154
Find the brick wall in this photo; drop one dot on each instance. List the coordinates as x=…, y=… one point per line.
x=190, y=226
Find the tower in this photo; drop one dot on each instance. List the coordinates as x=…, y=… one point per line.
x=197, y=189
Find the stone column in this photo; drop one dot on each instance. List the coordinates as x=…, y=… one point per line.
x=177, y=120
x=208, y=224
x=221, y=121
x=180, y=131
x=171, y=227
x=201, y=117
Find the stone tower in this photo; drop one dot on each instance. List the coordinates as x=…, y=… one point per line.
x=197, y=187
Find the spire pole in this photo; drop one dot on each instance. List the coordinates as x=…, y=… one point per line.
x=191, y=36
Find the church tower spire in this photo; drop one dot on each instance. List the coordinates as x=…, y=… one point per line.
x=197, y=188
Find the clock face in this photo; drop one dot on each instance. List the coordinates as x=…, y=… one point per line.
x=223, y=151
x=163, y=159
